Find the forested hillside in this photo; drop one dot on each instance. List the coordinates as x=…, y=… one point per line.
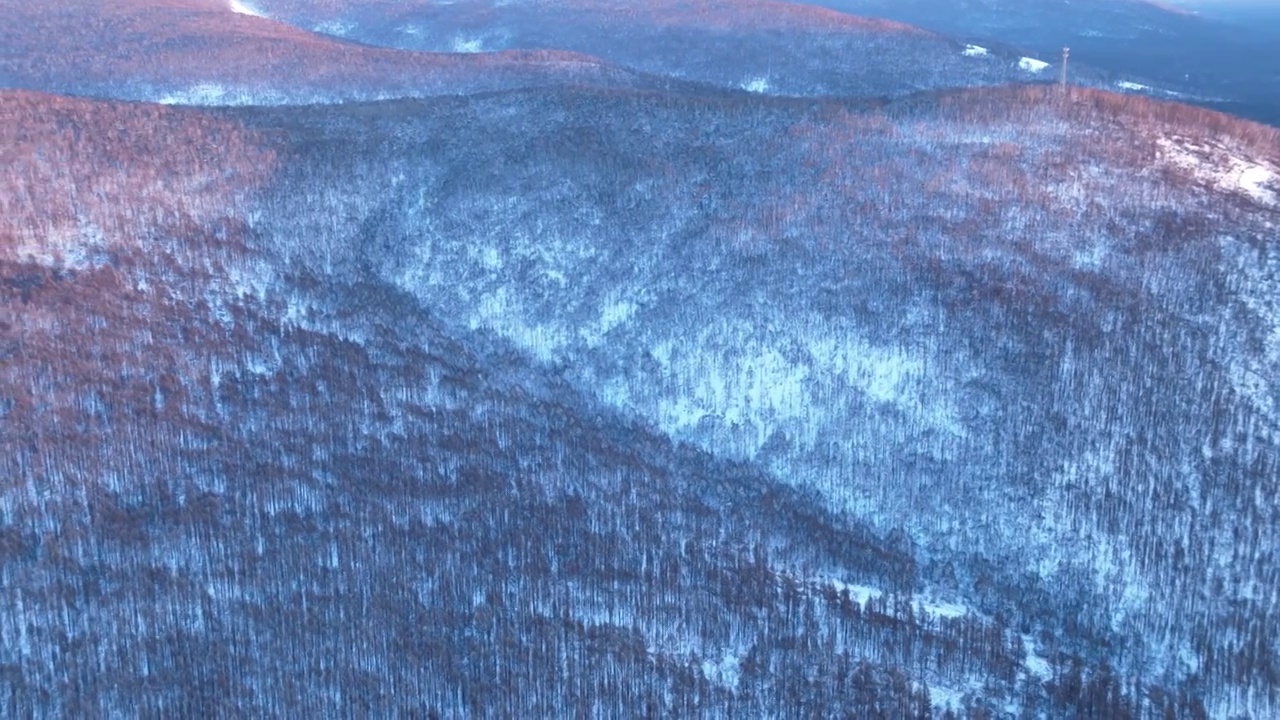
x=315, y=497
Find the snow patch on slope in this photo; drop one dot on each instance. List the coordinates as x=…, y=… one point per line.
x=612, y=315
x=726, y=671
x=975, y=51
x=946, y=610
x=1224, y=170
x=860, y=594
x=468, y=45
x=244, y=8
x=1032, y=65
x=756, y=85
x=335, y=28
x=863, y=594
x=1137, y=87
x=946, y=698
x=213, y=94
x=1034, y=663
x=744, y=386
x=202, y=94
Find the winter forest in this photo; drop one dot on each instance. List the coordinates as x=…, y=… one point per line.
x=639, y=359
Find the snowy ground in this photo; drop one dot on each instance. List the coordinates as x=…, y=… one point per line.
x=463, y=44
x=334, y=27
x=1032, y=65
x=1224, y=170
x=243, y=8
x=862, y=594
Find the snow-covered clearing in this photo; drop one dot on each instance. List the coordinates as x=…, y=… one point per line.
x=1126, y=85
x=1032, y=65
x=976, y=51
x=756, y=85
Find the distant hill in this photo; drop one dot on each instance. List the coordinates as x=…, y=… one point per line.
x=210, y=52
x=203, y=52
x=763, y=46
x=1216, y=61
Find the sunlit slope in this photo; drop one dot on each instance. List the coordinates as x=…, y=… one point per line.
x=1036, y=332
x=205, y=52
